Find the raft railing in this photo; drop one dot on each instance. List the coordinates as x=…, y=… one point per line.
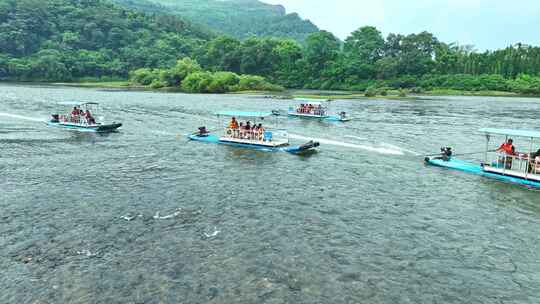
x=79, y=120
x=515, y=163
x=264, y=136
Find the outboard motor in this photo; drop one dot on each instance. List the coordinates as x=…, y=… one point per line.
x=309, y=145
x=55, y=118
x=446, y=153
x=203, y=132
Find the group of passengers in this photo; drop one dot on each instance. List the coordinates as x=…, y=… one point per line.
x=245, y=131
x=311, y=109
x=81, y=116
x=508, y=149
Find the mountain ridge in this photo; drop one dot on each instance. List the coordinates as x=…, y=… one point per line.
x=238, y=18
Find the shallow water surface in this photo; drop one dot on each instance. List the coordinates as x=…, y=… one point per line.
x=145, y=216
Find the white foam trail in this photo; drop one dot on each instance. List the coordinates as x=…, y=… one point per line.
x=165, y=133
x=22, y=117
x=213, y=234
x=87, y=253
x=349, y=145
x=166, y=217
x=400, y=149
x=355, y=137
x=130, y=218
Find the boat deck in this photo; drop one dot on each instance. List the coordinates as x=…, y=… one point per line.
x=271, y=144
x=308, y=115
x=465, y=166
x=514, y=173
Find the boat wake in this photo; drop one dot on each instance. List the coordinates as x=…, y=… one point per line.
x=386, y=145
x=212, y=234
x=380, y=150
x=22, y=117
x=400, y=149
x=157, y=216
x=355, y=137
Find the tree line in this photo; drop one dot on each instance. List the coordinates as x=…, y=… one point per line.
x=67, y=40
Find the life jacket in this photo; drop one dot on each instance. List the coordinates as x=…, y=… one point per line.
x=507, y=148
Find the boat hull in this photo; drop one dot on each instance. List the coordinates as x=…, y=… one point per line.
x=319, y=117
x=472, y=168
x=91, y=129
x=306, y=148
x=310, y=116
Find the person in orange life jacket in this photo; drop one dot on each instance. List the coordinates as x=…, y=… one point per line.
x=508, y=149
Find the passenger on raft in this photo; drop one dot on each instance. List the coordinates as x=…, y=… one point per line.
x=508, y=149
x=245, y=131
x=234, y=127
x=75, y=115
x=534, y=162
x=89, y=118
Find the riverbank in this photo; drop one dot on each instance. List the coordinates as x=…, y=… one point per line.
x=292, y=93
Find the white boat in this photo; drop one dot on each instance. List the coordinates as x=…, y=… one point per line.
x=307, y=108
x=82, y=122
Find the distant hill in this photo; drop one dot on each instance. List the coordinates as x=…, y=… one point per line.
x=239, y=18
x=65, y=39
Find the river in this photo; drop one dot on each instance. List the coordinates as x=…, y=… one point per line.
x=146, y=216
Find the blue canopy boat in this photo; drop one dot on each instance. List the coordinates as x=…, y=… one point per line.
x=81, y=121
x=262, y=139
x=308, y=108
x=518, y=168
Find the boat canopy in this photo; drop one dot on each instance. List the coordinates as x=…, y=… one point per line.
x=511, y=132
x=314, y=102
x=76, y=103
x=244, y=114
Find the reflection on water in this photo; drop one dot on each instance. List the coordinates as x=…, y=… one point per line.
x=145, y=216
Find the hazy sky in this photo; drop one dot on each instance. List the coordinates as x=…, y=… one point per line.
x=487, y=24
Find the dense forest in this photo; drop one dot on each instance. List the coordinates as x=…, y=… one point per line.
x=68, y=40
x=237, y=18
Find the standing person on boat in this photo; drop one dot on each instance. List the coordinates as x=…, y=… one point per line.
x=508, y=149
x=233, y=127
x=260, y=131
x=75, y=114
x=89, y=118
x=233, y=124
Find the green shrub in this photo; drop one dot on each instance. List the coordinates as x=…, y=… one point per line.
x=417, y=90
x=158, y=84
x=371, y=92
x=144, y=76
x=198, y=82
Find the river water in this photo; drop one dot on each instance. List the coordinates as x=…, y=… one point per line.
x=145, y=216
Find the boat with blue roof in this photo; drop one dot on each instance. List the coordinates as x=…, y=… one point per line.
x=82, y=118
x=250, y=130
x=501, y=163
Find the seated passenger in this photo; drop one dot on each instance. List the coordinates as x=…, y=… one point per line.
x=260, y=132
x=241, y=130
x=534, y=162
